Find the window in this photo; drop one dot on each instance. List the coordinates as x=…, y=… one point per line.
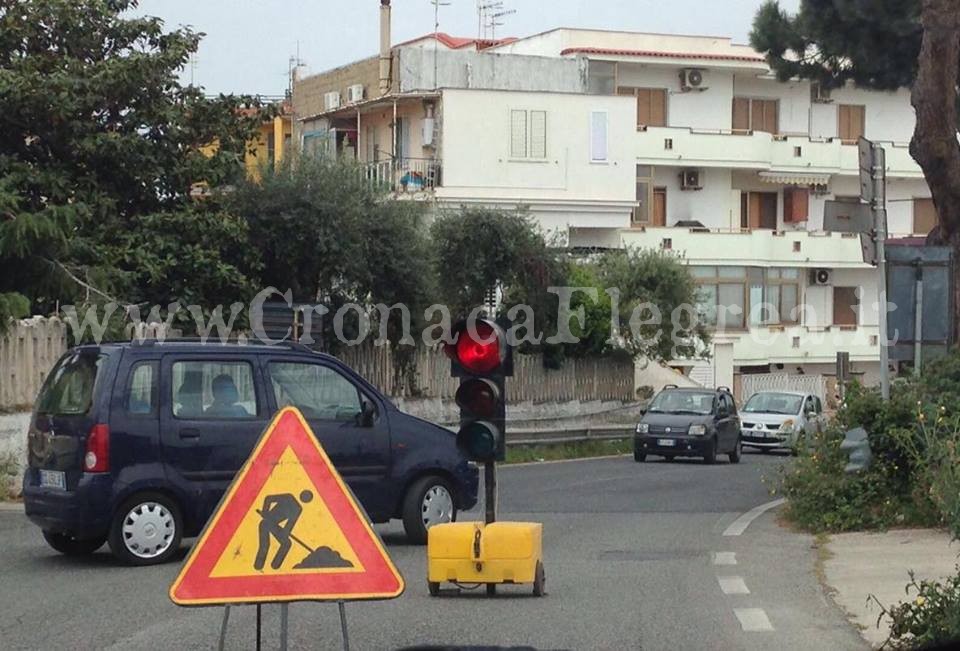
x=221, y=390
x=641, y=213
x=602, y=77
x=598, y=137
x=318, y=391
x=758, y=210
x=71, y=386
x=796, y=205
x=846, y=307
x=781, y=294
x=755, y=115
x=651, y=105
x=528, y=134
x=924, y=216
x=723, y=295
x=142, y=389
x=851, y=120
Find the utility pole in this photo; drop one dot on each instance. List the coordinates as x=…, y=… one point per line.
x=873, y=190
x=436, y=35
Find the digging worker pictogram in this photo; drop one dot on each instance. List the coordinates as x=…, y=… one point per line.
x=279, y=516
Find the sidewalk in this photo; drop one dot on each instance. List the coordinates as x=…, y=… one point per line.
x=858, y=565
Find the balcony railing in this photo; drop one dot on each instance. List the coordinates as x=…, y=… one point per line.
x=405, y=175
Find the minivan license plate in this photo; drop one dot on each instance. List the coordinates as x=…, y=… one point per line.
x=666, y=443
x=53, y=479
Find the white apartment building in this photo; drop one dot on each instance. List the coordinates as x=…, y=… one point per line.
x=682, y=143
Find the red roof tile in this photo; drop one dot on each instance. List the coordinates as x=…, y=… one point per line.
x=664, y=55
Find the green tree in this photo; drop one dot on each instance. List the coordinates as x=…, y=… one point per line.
x=884, y=44
x=658, y=317
x=99, y=147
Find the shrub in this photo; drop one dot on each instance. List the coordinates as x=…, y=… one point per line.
x=9, y=468
x=933, y=617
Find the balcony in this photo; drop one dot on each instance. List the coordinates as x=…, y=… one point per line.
x=405, y=176
x=770, y=248
x=762, y=151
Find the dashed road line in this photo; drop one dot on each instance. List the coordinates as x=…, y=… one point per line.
x=753, y=620
x=740, y=524
x=724, y=558
x=732, y=585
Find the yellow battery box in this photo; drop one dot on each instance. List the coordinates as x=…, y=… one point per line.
x=490, y=554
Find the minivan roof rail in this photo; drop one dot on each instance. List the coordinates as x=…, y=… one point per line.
x=670, y=386
x=152, y=341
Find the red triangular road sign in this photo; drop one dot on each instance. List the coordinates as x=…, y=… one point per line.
x=288, y=529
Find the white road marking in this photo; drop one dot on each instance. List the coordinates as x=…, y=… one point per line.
x=733, y=585
x=740, y=524
x=753, y=620
x=724, y=558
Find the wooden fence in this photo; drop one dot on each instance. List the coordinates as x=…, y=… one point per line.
x=578, y=379
x=28, y=351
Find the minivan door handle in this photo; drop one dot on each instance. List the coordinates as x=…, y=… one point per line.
x=190, y=434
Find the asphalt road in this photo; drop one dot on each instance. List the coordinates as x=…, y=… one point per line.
x=636, y=558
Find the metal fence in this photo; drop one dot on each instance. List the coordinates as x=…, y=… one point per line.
x=28, y=351
x=579, y=379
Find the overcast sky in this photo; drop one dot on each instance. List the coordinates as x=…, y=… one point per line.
x=248, y=43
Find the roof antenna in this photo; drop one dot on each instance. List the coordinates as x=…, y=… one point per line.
x=436, y=34
x=490, y=12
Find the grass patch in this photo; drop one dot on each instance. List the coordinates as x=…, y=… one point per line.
x=561, y=451
x=9, y=468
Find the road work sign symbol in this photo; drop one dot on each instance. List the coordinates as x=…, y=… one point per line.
x=288, y=529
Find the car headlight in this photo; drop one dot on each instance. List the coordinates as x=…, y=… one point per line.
x=697, y=430
x=643, y=428
x=787, y=425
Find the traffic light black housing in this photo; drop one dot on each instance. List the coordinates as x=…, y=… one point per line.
x=482, y=359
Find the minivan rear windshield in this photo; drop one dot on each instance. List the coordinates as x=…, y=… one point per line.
x=70, y=388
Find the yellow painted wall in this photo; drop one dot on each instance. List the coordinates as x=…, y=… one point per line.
x=281, y=128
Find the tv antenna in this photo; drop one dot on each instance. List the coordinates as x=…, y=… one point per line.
x=489, y=16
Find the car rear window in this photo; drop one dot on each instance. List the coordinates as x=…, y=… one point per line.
x=71, y=386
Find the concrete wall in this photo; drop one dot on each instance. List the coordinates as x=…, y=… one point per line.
x=488, y=70
x=308, y=92
x=709, y=109
x=13, y=441
x=478, y=166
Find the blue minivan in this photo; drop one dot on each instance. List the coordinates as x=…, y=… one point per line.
x=134, y=444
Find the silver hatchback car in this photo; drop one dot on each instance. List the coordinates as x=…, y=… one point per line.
x=776, y=420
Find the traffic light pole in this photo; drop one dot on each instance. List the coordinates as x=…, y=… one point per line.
x=490, y=491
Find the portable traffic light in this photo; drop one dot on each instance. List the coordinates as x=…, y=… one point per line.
x=482, y=359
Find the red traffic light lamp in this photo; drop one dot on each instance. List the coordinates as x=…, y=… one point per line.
x=480, y=347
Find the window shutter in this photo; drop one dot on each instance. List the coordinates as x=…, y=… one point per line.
x=518, y=134
x=658, y=108
x=598, y=136
x=796, y=205
x=741, y=114
x=643, y=107
x=538, y=134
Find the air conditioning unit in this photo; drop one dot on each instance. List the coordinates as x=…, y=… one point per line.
x=331, y=101
x=819, y=94
x=821, y=277
x=355, y=94
x=692, y=79
x=690, y=180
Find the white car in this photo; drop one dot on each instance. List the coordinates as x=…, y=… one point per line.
x=775, y=420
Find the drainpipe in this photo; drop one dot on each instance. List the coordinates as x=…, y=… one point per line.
x=385, y=57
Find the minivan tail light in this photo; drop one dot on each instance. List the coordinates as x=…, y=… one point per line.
x=97, y=457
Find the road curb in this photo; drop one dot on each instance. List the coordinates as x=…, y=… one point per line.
x=12, y=507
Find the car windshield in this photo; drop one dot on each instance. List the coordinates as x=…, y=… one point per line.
x=682, y=402
x=773, y=403
x=70, y=389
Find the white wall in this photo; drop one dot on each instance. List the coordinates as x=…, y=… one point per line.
x=889, y=115
x=476, y=150
x=711, y=205
x=794, y=100
x=708, y=109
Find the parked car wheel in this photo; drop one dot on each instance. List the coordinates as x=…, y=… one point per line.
x=70, y=546
x=428, y=502
x=737, y=453
x=146, y=530
x=710, y=456
x=639, y=456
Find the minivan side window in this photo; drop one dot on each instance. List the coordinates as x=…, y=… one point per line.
x=318, y=391
x=142, y=389
x=213, y=389
x=723, y=409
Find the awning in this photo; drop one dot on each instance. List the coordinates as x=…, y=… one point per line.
x=794, y=178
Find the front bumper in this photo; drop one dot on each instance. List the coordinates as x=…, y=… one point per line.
x=771, y=441
x=83, y=512
x=683, y=446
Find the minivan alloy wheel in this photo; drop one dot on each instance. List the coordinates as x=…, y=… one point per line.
x=148, y=530
x=437, y=507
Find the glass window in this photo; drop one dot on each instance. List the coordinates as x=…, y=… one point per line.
x=142, y=390
x=602, y=77
x=781, y=296
x=221, y=390
x=70, y=388
x=318, y=391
